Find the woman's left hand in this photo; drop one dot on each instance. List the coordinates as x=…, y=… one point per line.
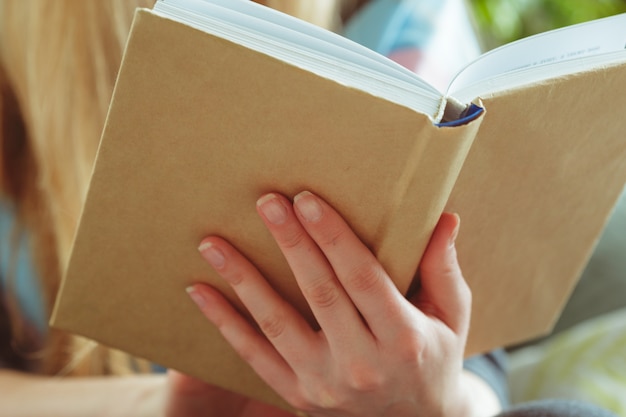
x=187, y=396
x=377, y=353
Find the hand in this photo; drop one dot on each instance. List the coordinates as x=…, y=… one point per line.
x=190, y=397
x=377, y=353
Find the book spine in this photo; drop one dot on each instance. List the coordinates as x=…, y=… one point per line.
x=436, y=161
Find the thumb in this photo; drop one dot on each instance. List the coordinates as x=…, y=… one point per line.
x=443, y=292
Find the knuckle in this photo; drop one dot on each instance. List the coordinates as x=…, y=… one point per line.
x=362, y=377
x=433, y=265
x=366, y=277
x=234, y=277
x=324, y=293
x=273, y=325
x=410, y=349
x=291, y=239
x=331, y=236
x=446, y=270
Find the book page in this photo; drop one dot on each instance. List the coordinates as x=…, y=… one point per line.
x=560, y=48
x=517, y=79
x=307, y=46
x=275, y=24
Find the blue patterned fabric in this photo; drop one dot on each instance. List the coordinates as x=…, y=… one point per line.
x=386, y=26
x=433, y=38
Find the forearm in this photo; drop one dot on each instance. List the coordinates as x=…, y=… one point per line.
x=28, y=395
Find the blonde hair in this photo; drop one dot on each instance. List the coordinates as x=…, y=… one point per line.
x=58, y=63
x=61, y=57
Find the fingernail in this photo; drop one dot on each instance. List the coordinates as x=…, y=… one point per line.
x=272, y=209
x=197, y=298
x=212, y=255
x=308, y=206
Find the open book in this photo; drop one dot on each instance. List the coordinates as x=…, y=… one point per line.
x=220, y=101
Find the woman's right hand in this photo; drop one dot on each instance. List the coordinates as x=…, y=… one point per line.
x=377, y=353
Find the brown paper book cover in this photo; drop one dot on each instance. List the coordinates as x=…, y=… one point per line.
x=199, y=127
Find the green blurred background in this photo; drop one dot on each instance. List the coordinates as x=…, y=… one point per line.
x=502, y=21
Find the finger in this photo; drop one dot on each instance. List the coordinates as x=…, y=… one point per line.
x=444, y=292
x=251, y=346
x=189, y=396
x=361, y=275
x=314, y=275
x=280, y=322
